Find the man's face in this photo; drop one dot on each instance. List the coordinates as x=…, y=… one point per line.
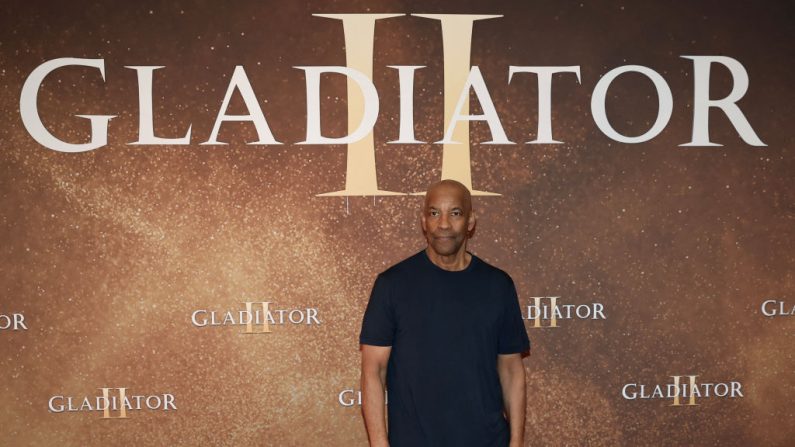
x=446, y=219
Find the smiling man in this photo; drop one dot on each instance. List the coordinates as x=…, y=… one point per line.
x=444, y=335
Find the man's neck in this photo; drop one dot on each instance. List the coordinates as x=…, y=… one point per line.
x=454, y=262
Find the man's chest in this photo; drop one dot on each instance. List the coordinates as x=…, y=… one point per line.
x=437, y=311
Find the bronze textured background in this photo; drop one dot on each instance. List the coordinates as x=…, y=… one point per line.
x=108, y=252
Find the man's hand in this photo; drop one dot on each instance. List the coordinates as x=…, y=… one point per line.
x=374, y=363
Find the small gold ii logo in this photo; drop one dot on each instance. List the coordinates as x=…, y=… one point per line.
x=538, y=312
x=254, y=318
x=692, y=390
x=106, y=400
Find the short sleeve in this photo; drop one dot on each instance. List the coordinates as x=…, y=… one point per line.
x=513, y=335
x=378, y=324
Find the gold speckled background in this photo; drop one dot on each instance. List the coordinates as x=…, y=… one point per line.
x=108, y=252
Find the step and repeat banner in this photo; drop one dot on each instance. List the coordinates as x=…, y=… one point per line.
x=196, y=197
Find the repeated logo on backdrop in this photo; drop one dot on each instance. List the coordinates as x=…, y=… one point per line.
x=683, y=390
x=545, y=311
x=114, y=403
x=257, y=317
x=444, y=81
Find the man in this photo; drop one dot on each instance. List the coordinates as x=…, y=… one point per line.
x=444, y=334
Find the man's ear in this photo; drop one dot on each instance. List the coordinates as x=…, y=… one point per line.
x=423, y=224
x=471, y=221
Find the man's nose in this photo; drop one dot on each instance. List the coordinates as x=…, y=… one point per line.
x=444, y=222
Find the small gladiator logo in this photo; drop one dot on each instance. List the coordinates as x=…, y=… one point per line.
x=114, y=403
x=683, y=391
x=258, y=317
x=547, y=308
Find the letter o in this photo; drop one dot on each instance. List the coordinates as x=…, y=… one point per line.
x=300, y=316
x=721, y=389
x=154, y=406
x=664, y=110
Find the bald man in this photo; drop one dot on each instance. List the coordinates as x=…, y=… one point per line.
x=444, y=335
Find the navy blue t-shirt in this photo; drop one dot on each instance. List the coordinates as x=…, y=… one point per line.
x=446, y=329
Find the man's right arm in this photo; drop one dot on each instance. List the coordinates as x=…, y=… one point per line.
x=374, y=364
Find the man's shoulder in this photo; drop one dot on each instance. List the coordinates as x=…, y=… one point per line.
x=405, y=266
x=494, y=272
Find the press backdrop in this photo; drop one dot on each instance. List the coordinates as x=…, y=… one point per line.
x=672, y=261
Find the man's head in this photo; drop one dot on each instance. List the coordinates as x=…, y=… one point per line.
x=447, y=217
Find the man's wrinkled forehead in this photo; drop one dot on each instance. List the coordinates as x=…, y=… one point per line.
x=447, y=192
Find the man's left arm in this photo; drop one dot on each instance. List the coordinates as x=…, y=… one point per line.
x=512, y=380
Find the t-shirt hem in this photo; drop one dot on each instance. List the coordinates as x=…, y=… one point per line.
x=514, y=350
x=374, y=342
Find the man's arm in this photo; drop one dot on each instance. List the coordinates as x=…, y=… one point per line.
x=512, y=380
x=374, y=363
